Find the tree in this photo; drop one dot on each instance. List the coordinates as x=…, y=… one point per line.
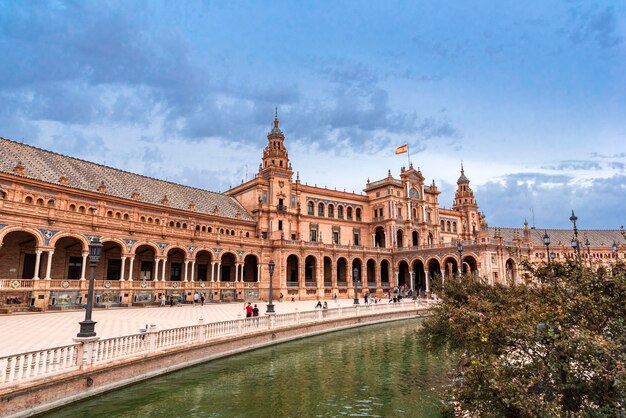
x=555, y=346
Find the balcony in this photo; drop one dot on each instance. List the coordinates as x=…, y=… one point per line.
x=293, y=284
x=281, y=208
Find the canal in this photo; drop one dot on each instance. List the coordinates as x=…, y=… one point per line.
x=374, y=371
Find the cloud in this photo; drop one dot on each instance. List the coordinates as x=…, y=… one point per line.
x=516, y=197
x=575, y=165
x=591, y=23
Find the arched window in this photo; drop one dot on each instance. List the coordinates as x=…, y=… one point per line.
x=28, y=200
x=118, y=215
x=232, y=232
x=320, y=209
x=150, y=220
x=358, y=214
x=415, y=214
x=171, y=224
x=340, y=212
x=184, y=226
x=40, y=202
x=331, y=211
x=311, y=208
x=203, y=228
x=142, y=219
x=443, y=226
x=157, y=221
x=177, y=224
x=109, y=213
x=448, y=226
x=247, y=235
x=210, y=229
x=81, y=209
x=72, y=207
x=126, y=216
x=453, y=226
x=349, y=213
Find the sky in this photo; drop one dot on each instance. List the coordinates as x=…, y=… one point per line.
x=530, y=96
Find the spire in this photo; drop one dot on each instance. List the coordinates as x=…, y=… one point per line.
x=462, y=179
x=276, y=117
x=462, y=171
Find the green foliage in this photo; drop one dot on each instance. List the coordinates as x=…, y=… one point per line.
x=553, y=347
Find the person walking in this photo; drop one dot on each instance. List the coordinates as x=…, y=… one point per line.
x=196, y=298
x=249, y=310
x=202, y=299
x=255, y=310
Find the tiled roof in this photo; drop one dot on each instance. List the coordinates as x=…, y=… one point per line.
x=597, y=238
x=51, y=167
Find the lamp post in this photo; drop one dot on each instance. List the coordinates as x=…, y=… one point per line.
x=88, y=327
x=355, y=277
x=588, y=245
x=546, y=242
x=575, y=243
x=459, y=248
x=270, y=307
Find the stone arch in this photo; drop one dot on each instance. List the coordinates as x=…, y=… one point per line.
x=509, y=270
x=404, y=278
x=111, y=259
x=68, y=261
x=175, y=256
x=434, y=269
x=415, y=238
x=203, y=268
x=470, y=264
x=145, y=255
x=310, y=269
x=292, y=270
x=450, y=265
x=61, y=235
x=157, y=250
x=419, y=271
x=228, y=267
x=379, y=237
x=342, y=271
x=118, y=241
x=35, y=233
x=320, y=209
x=250, y=268
x=24, y=243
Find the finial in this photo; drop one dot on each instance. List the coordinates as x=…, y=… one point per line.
x=388, y=173
x=276, y=117
x=462, y=170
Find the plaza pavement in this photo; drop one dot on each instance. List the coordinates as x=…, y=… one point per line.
x=35, y=331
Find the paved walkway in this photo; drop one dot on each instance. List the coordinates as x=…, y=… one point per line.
x=35, y=331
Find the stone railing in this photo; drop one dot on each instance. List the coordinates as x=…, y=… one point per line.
x=18, y=368
x=16, y=284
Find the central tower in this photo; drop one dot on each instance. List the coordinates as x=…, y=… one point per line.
x=275, y=155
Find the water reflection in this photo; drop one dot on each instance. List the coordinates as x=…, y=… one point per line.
x=375, y=371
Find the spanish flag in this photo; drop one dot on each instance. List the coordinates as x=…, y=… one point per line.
x=402, y=149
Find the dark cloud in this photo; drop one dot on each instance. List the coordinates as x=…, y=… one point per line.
x=551, y=198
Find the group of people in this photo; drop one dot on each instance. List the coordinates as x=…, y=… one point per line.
x=250, y=310
x=320, y=306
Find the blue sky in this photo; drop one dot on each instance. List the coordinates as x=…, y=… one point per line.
x=531, y=95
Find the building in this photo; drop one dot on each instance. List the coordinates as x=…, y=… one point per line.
x=169, y=240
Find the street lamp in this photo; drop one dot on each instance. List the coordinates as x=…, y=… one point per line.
x=546, y=242
x=355, y=277
x=588, y=245
x=88, y=327
x=270, y=307
x=459, y=248
x=575, y=244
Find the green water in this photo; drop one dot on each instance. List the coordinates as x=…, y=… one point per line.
x=374, y=371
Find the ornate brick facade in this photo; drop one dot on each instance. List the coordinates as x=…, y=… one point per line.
x=165, y=239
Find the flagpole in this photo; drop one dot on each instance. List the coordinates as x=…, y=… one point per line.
x=408, y=154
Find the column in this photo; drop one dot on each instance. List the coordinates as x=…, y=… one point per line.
x=83, y=265
x=258, y=273
x=237, y=272
x=427, y=274
x=123, y=269
x=156, y=269
x=212, y=271
x=193, y=265
x=49, y=264
x=130, y=269
x=219, y=272
x=186, y=269
x=396, y=283
x=37, y=262
x=163, y=269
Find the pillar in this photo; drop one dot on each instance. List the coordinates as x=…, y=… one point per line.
x=219, y=272
x=212, y=271
x=163, y=269
x=193, y=266
x=258, y=273
x=49, y=264
x=186, y=269
x=427, y=275
x=37, y=262
x=156, y=269
x=83, y=265
x=237, y=272
x=130, y=269
x=123, y=268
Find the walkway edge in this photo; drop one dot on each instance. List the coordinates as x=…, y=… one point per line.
x=38, y=397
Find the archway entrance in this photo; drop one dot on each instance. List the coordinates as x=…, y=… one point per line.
x=404, y=279
x=227, y=268
x=310, y=270
x=379, y=237
x=420, y=276
x=292, y=271
x=342, y=272
x=250, y=269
